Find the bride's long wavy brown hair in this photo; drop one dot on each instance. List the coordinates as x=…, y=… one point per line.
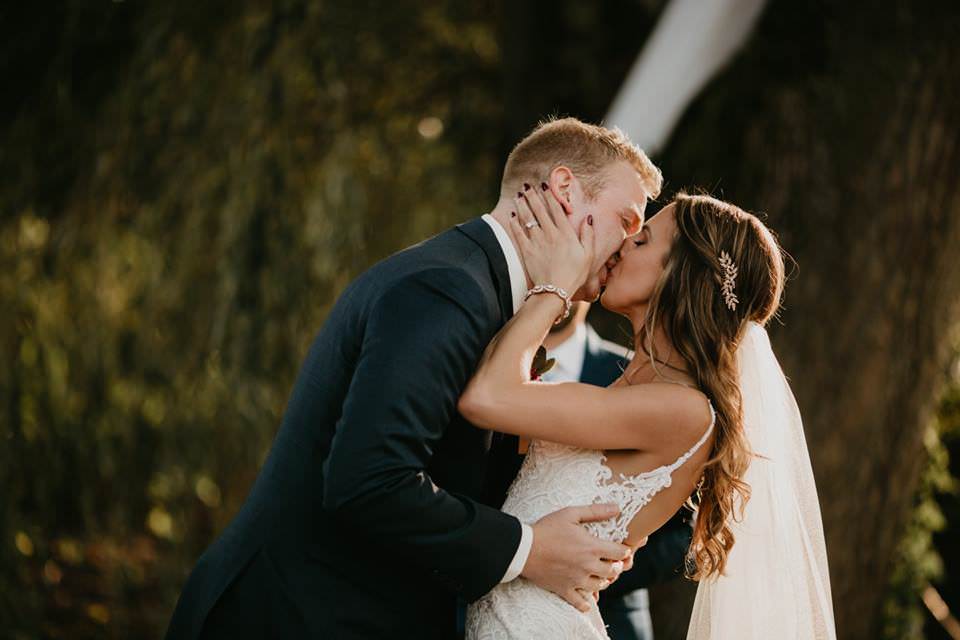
x=689, y=305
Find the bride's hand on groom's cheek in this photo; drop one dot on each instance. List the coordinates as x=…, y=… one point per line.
x=551, y=251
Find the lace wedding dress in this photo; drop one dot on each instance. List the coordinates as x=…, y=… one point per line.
x=554, y=476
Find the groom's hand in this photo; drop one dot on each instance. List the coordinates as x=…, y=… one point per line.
x=628, y=563
x=568, y=560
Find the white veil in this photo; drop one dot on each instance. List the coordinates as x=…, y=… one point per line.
x=776, y=583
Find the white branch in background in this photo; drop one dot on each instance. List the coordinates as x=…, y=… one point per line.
x=692, y=41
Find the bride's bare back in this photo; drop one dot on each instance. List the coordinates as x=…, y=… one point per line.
x=555, y=476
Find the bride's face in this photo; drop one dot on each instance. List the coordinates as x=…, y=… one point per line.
x=639, y=264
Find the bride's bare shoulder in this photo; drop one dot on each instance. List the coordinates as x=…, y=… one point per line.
x=682, y=412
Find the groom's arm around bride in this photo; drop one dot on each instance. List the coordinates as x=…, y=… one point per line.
x=364, y=521
x=367, y=519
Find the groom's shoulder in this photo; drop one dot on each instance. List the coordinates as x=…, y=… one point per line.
x=449, y=249
x=449, y=265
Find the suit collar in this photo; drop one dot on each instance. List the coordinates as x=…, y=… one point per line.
x=518, y=276
x=481, y=233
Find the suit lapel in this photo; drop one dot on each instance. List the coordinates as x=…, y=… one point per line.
x=481, y=233
x=504, y=461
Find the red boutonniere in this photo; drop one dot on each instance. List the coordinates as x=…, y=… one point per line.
x=541, y=364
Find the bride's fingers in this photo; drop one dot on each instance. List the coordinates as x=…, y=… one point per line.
x=520, y=237
x=557, y=213
x=539, y=200
x=539, y=208
x=516, y=233
x=554, y=207
x=525, y=214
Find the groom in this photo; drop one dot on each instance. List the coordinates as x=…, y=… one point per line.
x=366, y=519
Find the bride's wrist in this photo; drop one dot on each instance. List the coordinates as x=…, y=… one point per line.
x=551, y=307
x=558, y=296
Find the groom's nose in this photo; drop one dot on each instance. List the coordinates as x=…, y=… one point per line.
x=614, y=259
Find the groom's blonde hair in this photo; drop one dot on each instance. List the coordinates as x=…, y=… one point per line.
x=587, y=150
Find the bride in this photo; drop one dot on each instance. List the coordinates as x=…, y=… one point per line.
x=703, y=409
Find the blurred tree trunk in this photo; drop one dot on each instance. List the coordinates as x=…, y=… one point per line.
x=843, y=125
x=562, y=57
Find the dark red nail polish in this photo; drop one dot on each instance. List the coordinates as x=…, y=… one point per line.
x=519, y=194
x=513, y=214
x=543, y=186
x=526, y=187
x=590, y=220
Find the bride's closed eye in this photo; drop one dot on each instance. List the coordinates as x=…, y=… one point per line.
x=642, y=238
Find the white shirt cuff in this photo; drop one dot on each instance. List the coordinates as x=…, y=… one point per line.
x=520, y=557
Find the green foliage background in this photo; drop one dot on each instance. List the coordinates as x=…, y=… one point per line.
x=170, y=250
x=920, y=556
x=186, y=188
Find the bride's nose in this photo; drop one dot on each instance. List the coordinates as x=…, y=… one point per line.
x=614, y=259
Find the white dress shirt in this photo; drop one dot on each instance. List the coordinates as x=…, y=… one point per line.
x=518, y=288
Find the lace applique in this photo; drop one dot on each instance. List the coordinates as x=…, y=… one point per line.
x=632, y=493
x=554, y=476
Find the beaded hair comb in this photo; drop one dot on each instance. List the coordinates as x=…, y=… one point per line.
x=729, y=283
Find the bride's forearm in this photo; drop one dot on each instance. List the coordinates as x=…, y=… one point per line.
x=508, y=358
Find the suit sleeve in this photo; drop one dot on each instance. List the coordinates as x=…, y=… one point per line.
x=422, y=341
x=661, y=559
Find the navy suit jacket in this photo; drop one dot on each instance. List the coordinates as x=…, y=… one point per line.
x=366, y=520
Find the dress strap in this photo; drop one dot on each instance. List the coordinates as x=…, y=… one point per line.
x=706, y=434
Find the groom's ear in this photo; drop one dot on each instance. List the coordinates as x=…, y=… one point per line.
x=563, y=184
